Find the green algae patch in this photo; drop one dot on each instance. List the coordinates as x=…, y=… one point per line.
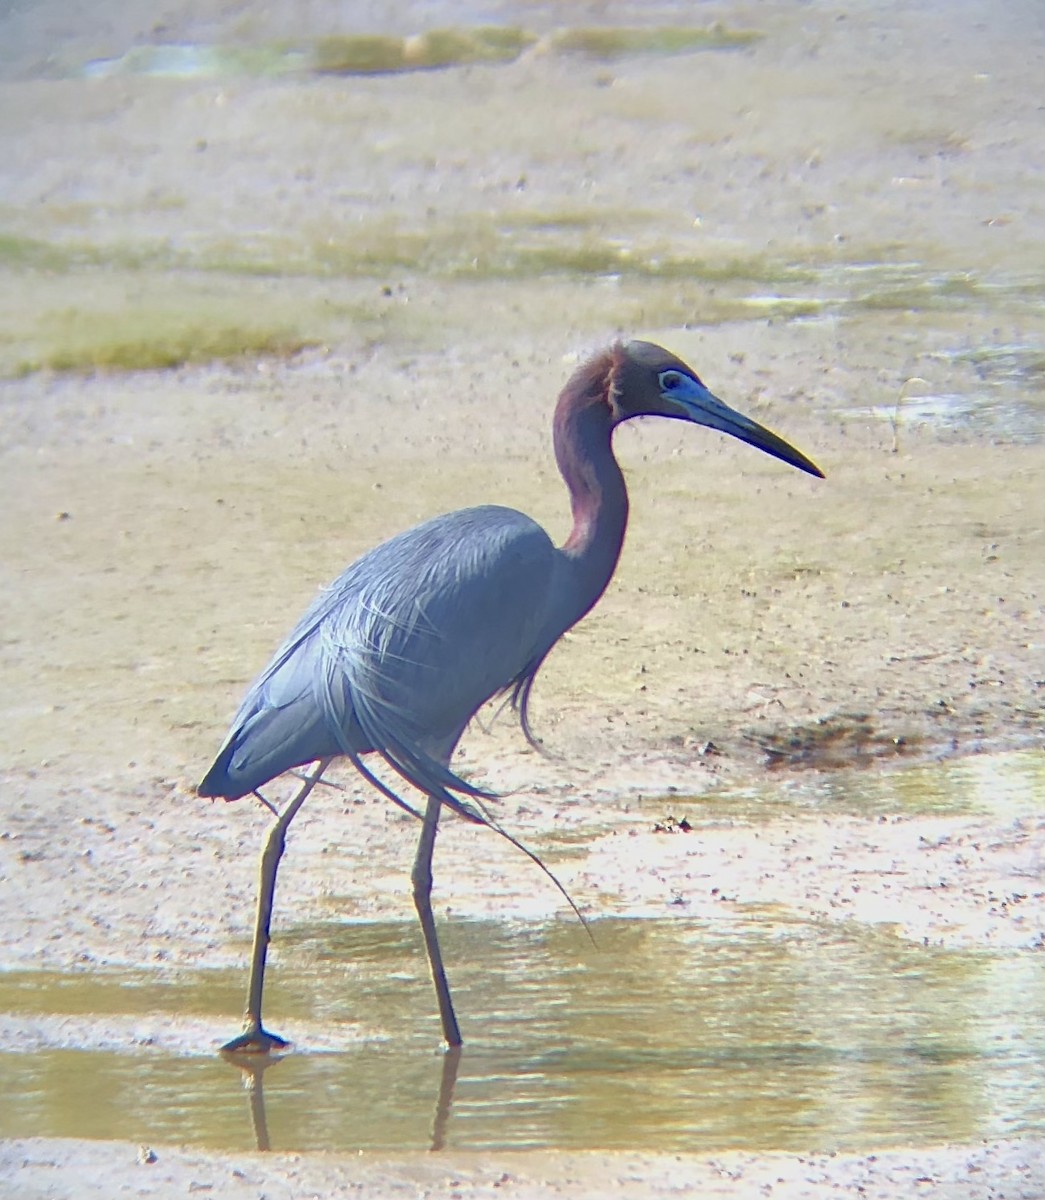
x=612, y=43
x=340, y=54
x=385, y=54
x=369, y=54
x=20, y=253
x=155, y=341
x=117, y=322
x=375, y=54
x=476, y=246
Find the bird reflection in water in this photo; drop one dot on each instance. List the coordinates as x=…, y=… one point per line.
x=253, y=1067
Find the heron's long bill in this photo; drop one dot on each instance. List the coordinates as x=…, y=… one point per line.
x=708, y=409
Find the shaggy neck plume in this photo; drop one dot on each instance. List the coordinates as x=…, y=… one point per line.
x=584, y=420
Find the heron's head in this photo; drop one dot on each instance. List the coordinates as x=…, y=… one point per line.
x=646, y=380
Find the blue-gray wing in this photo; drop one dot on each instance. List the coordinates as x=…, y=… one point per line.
x=399, y=652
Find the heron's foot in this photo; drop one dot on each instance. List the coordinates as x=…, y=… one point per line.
x=255, y=1040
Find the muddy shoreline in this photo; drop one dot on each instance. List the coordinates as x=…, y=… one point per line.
x=58, y=1170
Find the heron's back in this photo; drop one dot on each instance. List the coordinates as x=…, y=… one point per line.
x=400, y=651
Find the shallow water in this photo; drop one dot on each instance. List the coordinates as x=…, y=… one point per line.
x=668, y=1034
x=1005, y=786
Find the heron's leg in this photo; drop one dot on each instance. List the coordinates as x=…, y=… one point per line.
x=421, y=877
x=255, y=1039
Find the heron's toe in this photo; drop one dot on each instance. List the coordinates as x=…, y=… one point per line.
x=255, y=1041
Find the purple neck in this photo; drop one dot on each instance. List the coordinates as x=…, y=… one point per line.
x=582, y=433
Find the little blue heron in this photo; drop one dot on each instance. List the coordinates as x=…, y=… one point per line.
x=400, y=652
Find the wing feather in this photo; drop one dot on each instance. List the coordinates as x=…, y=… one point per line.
x=398, y=653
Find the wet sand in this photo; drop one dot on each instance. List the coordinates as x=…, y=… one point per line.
x=61, y=1170
x=165, y=527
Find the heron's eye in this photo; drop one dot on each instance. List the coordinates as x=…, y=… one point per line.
x=670, y=380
